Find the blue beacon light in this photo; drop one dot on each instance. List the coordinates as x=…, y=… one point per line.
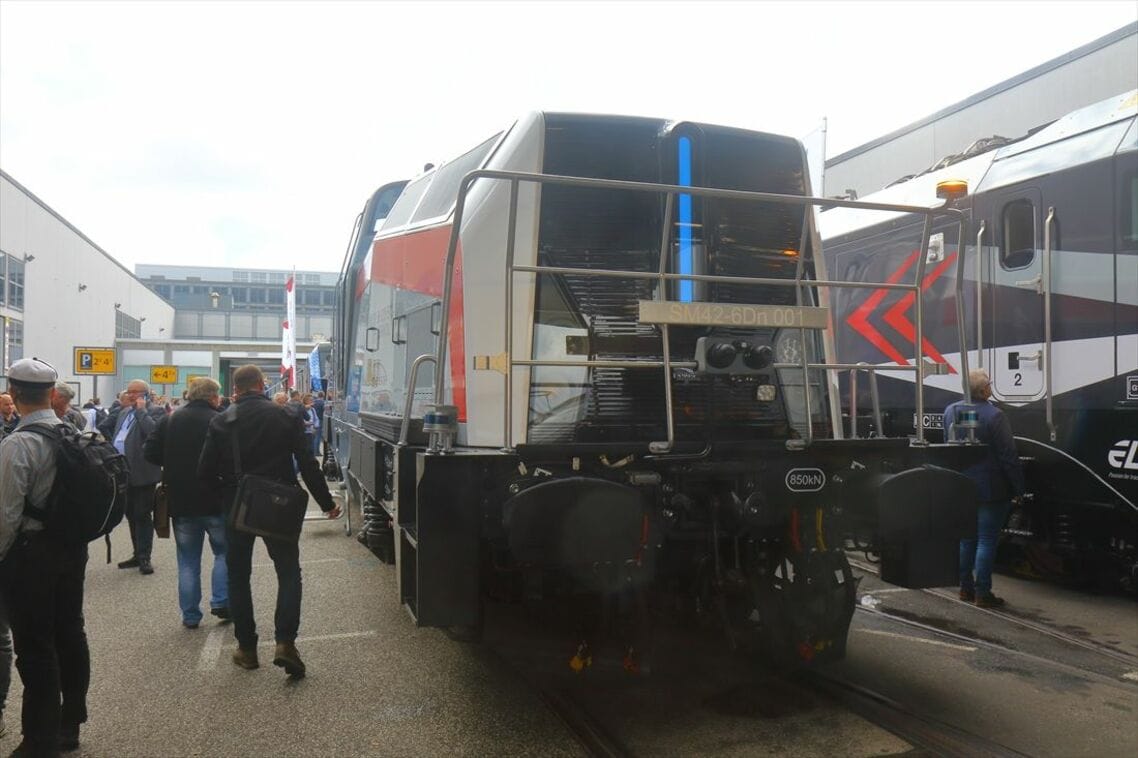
x=685, y=262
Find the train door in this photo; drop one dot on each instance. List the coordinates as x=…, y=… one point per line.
x=1016, y=285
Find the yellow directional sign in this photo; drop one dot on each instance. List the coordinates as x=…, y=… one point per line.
x=163, y=374
x=95, y=361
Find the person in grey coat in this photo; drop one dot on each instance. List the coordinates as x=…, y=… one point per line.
x=137, y=419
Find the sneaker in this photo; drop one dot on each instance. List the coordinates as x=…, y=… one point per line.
x=129, y=563
x=989, y=601
x=191, y=624
x=69, y=738
x=246, y=658
x=288, y=658
x=144, y=566
x=222, y=612
x=967, y=595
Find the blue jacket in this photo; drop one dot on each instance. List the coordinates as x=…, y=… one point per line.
x=999, y=477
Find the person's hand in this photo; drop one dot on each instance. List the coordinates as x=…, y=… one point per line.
x=334, y=513
x=140, y=402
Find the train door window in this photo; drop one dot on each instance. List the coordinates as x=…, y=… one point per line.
x=1128, y=216
x=1017, y=247
x=443, y=193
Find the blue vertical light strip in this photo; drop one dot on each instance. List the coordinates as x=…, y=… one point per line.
x=685, y=262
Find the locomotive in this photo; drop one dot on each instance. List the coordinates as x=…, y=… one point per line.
x=1050, y=303
x=588, y=364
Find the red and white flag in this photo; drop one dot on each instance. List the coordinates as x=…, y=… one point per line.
x=288, y=335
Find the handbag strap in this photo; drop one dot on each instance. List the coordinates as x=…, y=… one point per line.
x=234, y=440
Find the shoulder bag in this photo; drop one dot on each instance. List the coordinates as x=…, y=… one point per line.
x=161, y=511
x=264, y=506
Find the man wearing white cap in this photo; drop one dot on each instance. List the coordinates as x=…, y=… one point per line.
x=51, y=644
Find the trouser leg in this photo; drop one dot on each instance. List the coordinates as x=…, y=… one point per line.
x=71, y=637
x=29, y=586
x=5, y=655
x=991, y=521
x=239, y=562
x=142, y=519
x=189, y=534
x=219, y=579
x=967, y=559
x=286, y=561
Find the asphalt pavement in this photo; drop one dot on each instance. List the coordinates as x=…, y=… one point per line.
x=376, y=684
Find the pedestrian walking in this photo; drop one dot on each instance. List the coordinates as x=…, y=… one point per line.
x=61, y=404
x=8, y=415
x=41, y=578
x=176, y=445
x=268, y=438
x=136, y=420
x=999, y=483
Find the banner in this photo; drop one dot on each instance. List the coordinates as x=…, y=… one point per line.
x=288, y=336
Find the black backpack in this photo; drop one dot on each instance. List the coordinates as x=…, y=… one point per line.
x=88, y=497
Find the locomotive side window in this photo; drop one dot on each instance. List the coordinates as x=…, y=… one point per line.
x=443, y=193
x=1017, y=247
x=405, y=205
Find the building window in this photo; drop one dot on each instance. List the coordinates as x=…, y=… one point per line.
x=329, y=297
x=256, y=294
x=277, y=295
x=258, y=276
x=311, y=278
x=127, y=326
x=277, y=277
x=16, y=285
x=163, y=290
x=11, y=341
x=3, y=284
x=240, y=276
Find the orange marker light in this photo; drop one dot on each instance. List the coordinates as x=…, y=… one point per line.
x=790, y=252
x=951, y=189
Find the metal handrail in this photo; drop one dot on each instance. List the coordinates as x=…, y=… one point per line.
x=873, y=394
x=412, y=380
x=670, y=191
x=1045, y=275
x=980, y=295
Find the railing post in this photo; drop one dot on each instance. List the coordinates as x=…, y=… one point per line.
x=511, y=234
x=665, y=336
x=922, y=256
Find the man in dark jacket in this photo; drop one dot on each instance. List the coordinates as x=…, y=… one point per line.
x=197, y=510
x=268, y=438
x=136, y=420
x=999, y=482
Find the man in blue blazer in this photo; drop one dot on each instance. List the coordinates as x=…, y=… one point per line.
x=999, y=483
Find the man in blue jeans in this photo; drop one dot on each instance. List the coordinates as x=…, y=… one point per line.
x=999, y=483
x=176, y=444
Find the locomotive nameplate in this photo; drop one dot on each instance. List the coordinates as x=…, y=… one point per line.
x=733, y=314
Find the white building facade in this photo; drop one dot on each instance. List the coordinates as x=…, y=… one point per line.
x=61, y=291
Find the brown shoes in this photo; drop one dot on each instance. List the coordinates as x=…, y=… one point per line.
x=288, y=658
x=989, y=601
x=246, y=658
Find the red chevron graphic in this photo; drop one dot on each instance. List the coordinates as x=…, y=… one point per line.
x=895, y=316
x=859, y=319
x=897, y=319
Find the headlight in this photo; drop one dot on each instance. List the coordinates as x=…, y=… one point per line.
x=765, y=393
x=788, y=346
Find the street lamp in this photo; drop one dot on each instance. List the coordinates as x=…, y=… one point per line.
x=214, y=296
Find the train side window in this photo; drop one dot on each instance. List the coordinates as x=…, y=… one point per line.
x=441, y=197
x=1017, y=248
x=401, y=212
x=1128, y=216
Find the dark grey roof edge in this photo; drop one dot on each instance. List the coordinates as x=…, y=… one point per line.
x=72, y=227
x=1116, y=36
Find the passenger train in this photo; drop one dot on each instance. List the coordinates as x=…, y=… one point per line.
x=1050, y=303
x=588, y=364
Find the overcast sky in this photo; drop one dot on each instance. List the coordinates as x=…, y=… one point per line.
x=250, y=134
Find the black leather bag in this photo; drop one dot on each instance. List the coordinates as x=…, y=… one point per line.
x=264, y=506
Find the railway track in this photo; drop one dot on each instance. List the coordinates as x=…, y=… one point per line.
x=936, y=737
x=1106, y=651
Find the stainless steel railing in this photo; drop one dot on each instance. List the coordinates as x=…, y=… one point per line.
x=662, y=276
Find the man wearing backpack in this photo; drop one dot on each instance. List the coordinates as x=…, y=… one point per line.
x=136, y=420
x=41, y=577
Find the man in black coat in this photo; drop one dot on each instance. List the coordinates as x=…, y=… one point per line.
x=197, y=510
x=268, y=438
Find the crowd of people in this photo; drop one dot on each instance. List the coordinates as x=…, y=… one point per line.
x=196, y=450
